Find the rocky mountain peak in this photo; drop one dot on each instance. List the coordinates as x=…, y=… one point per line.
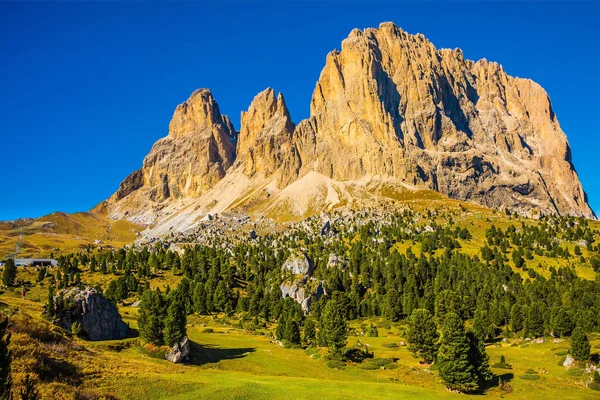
x=388, y=105
x=265, y=137
x=200, y=111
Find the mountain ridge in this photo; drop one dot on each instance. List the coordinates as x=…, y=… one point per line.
x=388, y=105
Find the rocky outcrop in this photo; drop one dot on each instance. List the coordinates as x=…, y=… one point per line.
x=180, y=351
x=298, y=283
x=303, y=292
x=388, y=106
x=298, y=264
x=99, y=318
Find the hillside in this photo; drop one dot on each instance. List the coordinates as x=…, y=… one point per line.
x=414, y=244
x=61, y=232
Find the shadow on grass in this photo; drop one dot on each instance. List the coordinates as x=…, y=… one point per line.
x=497, y=380
x=206, y=354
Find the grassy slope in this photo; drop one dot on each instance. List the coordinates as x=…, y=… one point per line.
x=231, y=363
x=60, y=232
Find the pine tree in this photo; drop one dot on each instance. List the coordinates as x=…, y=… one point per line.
x=516, y=318
x=5, y=358
x=535, y=320
x=151, y=317
x=10, y=273
x=41, y=274
x=199, y=299
x=334, y=327
x=292, y=331
x=453, y=358
x=50, y=302
x=479, y=358
x=580, y=345
x=422, y=335
x=310, y=332
x=175, y=322
x=561, y=323
x=280, y=329
x=393, y=305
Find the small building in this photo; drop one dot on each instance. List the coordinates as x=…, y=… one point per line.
x=36, y=262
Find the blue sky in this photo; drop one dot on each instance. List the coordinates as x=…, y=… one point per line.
x=87, y=88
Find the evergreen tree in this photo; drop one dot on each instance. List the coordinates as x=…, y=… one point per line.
x=535, y=320
x=151, y=316
x=393, y=305
x=334, y=326
x=41, y=274
x=479, y=358
x=280, y=329
x=422, y=335
x=310, y=332
x=49, y=309
x=580, y=345
x=561, y=323
x=516, y=318
x=199, y=299
x=292, y=331
x=5, y=358
x=10, y=273
x=454, y=361
x=175, y=322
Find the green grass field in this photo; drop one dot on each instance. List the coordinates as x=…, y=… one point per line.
x=232, y=363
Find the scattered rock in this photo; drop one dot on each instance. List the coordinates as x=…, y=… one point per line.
x=326, y=228
x=569, y=361
x=180, y=351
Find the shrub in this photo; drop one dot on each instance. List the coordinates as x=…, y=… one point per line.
x=530, y=371
x=381, y=362
x=369, y=366
x=529, y=377
x=562, y=361
x=561, y=353
x=335, y=364
x=312, y=350
x=154, y=351
x=208, y=330
x=577, y=372
x=76, y=329
x=594, y=386
x=390, y=345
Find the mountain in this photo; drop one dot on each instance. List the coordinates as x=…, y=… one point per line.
x=389, y=111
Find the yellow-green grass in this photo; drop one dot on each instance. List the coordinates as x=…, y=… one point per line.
x=59, y=232
x=231, y=363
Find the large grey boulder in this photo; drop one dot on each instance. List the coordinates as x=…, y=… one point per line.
x=303, y=292
x=180, y=351
x=298, y=264
x=302, y=287
x=99, y=318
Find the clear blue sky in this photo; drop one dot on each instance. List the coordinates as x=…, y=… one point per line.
x=86, y=89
